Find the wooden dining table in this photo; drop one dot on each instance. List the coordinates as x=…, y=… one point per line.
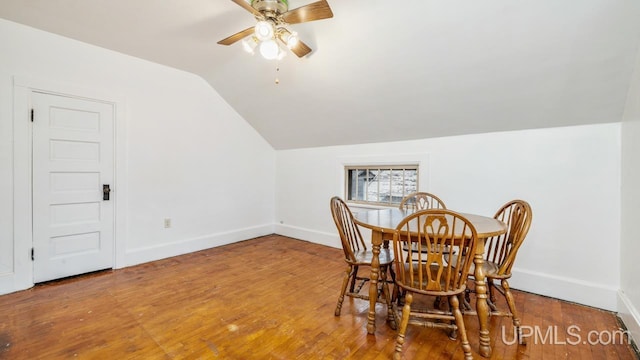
x=383, y=222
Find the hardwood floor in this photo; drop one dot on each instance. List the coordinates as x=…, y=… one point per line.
x=267, y=298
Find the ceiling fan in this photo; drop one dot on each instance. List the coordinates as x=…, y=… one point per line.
x=272, y=29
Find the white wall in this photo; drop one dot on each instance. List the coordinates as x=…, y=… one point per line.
x=570, y=176
x=629, y=295
x=186, y=154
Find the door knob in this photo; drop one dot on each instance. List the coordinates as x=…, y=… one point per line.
x=105, y=191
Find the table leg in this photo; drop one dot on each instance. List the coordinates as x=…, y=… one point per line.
x=482, y=308
x=376, y=240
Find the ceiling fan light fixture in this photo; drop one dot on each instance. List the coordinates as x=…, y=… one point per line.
x=288, y=37
x=269, y=49
x=264, y=30
x=292, y=39
x=249, y=44
x=273, y=20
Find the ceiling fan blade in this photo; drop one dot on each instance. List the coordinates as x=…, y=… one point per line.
x=237, y=36
x=247, y=7
x=315, y=11
x=300, y=49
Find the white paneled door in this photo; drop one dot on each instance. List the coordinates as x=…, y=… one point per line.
x=73, y=217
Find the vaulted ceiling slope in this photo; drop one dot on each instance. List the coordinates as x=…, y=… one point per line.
x=382, y=70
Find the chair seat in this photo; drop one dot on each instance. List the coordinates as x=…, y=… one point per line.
x=364, y=257
x=489, y=268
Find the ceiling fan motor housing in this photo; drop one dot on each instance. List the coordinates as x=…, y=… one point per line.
x=276, y=6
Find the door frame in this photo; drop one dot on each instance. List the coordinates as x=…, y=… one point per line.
x=22, y=170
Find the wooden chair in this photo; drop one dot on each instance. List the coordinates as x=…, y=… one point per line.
x=356, y=254
x=500, y=254
x=427, y=273
x=421, y=201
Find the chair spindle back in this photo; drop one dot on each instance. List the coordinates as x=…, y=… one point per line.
x=421, y=201
x=430, y=271
x=502, y=249
x=347, y=229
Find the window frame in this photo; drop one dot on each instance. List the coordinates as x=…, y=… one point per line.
x=412, y=166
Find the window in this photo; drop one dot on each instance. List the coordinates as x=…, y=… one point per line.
x=380, y=185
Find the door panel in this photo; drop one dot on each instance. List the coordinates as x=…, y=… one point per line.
x=72, y=160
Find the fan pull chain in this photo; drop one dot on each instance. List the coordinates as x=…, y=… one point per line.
x=277, y=72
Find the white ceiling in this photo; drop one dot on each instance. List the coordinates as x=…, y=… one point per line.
x=382, y=70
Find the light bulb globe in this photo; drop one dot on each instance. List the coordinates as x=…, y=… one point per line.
x=292, y=40
x=269, y=49
x=249, y=44
x=264, y=30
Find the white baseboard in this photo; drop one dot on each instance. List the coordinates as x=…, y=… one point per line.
x=630, y=316
x=10, y=282
x=564, y=288
x=318, y=237
x=575, y=290
x=152, y=253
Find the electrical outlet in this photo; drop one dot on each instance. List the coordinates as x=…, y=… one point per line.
x=167, y=223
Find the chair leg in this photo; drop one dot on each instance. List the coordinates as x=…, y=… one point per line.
x=466, y=303
x=402, y=329
x=353, y=279
x=439, y=302
x=453, y=335
x=466, y=300
x=491, y=300
x=345, y=282
x=395, y=301
x=399, y=296
x=393, y=273
x=455, y=305
x=512, y=308
x=387, y=298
